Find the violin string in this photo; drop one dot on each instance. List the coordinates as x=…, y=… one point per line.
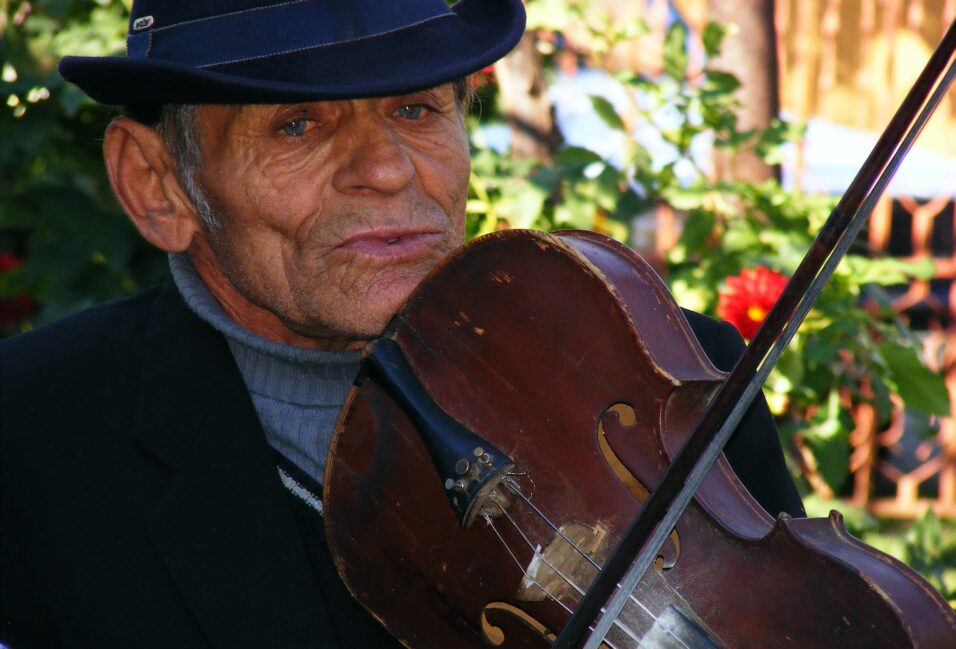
x=660, y=624
x=515, y=488
x=490, y=523
x=568, y=580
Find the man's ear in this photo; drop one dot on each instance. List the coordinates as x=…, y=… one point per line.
x=143, y=176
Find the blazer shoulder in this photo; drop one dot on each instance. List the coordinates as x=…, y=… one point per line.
x=71, y=384
x=88, y=338
x=721, y=341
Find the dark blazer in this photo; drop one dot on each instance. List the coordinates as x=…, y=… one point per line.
x=140, y=504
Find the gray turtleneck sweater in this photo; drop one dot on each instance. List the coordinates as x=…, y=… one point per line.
x=297, y=392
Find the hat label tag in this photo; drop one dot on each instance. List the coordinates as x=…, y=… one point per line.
x=142, y=23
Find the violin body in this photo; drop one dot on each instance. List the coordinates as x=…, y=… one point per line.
x=567, y=354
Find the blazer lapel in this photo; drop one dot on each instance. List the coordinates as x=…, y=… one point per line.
x=225, y=526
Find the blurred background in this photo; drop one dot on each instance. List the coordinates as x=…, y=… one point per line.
x=713, y=136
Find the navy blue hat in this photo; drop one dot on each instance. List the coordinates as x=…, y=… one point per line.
x=280, y=51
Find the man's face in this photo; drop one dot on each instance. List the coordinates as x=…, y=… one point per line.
x=331, y=212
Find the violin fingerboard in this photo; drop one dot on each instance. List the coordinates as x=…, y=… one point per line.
x=674, y=630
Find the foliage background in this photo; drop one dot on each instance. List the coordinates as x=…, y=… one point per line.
x=57, y=211
x=66, y=244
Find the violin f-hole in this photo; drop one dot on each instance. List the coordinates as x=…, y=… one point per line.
x=622, y=416
x=502, y=622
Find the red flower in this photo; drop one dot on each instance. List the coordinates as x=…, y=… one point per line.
x=18, y=307
x=9, y=261
x=748, y=297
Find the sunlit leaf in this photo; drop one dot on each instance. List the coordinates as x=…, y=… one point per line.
x=675, y=52
x=713, y=35
x=857, y=520
x=576, y=155
x=721, y=82
x=605, y=110
x=886, y=270
x=827, y=434
x=920, y=388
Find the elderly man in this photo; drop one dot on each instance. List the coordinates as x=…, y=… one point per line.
x=305, y=164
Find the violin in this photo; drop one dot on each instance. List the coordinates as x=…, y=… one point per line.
x=579, y=377
x=538, y=404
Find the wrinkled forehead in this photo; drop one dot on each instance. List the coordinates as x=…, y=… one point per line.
x=222, y=117
x=152, y=114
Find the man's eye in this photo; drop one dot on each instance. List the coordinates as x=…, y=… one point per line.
x=411, y=111
x=295, y=127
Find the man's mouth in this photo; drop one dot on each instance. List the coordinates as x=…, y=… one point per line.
x=392, y=245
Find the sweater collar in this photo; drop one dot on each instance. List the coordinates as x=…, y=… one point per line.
x=324, y=376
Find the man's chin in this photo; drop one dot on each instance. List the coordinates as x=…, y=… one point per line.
x=351, y=330
x=391, y=294
x=354, y=318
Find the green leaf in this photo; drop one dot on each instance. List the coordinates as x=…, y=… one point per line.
x=521, y=203
x=856, y=519
x=576, y=213
x=685, y=198
x=734, y=139
x=553, y=15
x=919, y=388
x=629, y=205
x=576, y=155
x=740, y=239
x=713, y=37
x=675, y=53
x=605, y=110
x=881, y=394
x=721, y=83
x=633, y=29
x=924, y=546
x=821, y=350
x=607, y=188
x=698, y=230
x=828, y=435
x=885, y=271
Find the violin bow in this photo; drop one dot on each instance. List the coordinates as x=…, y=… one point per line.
x=641, y=542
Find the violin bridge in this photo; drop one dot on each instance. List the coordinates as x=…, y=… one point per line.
x=563, y=562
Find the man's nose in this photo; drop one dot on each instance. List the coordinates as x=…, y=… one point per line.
x=377, y=160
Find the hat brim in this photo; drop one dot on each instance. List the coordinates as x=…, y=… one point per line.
x=475, y=35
